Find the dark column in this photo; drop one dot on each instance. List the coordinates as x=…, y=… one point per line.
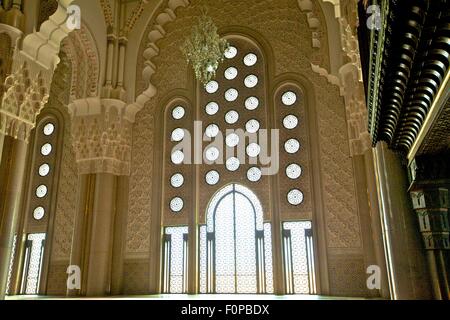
x=430, y=184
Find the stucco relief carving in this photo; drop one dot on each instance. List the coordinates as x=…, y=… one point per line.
x=350, y=84
x=80, y=48
x=101, y=136
x=32, y=71
x=22, y=102
x=141, y=188
x=68, y=182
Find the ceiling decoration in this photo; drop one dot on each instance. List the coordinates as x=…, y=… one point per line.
x=408, y=64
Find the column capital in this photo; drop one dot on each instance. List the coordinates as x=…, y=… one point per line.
x=101, y=134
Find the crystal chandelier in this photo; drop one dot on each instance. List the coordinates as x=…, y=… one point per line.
x=205, y=49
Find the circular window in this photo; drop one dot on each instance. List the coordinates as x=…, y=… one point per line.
x=177, y=135
x=251, y=81
x=212, y=154
x=177, y=180
x=290, y=122
x=252, y=126
x=212, y=131
x=178, y=113
x=252, y=103
x=254, y=174
x=232, y=140
x=176, y=204
x=177, y=157
x=41, y=191
x=212, y=87
x=292, y=146
x=253, y=150
x=212, y=108
x=38, y=213
x=46, y=149
x=44, y=170
x=293, y=171
x=212, y=178
x=231, y=73
x=289, y=98
x=295, y=197
x=250, y=59
x=49, y=128
x=231, y=52
x=232, y=117
x=233, y=164
x=231, y=95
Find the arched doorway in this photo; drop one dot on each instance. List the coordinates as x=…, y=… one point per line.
x=235, y=244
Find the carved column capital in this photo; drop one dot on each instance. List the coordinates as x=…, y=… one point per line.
x=25, y=96
x=101, y=136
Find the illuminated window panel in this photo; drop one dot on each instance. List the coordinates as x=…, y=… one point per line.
x=38, y=213
x=212, y=154
x=232, y=117
x=231, y=52
x=231, y=73
x=232, y=140
x=175, y=278
x=295, y=197
x=11, y=265
x=177, y=180
x=254, y=174
x=41, y=191
x=44, y=170
x=176, y=204
x=177, y=157
x=293, y=171
x=212, y=108
x=233, y=164
x=212, y=87
x=231, y=95
x=46, y=149
x=253, y=150
x=290, y=122
x=298, y=256
x=33, y=263
x=178, y=135
x=250, y=59
x=292, y=146
x=178, y=113
x=252, y=103
x=289, y=98
x=49, y=128
x=235, y=244
x=212, y=177
x=212, y=130
x=251, y=81
x=252, y=126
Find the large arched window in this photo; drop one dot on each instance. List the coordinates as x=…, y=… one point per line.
x=235, y=244
x=232, y=166
x=31, y=249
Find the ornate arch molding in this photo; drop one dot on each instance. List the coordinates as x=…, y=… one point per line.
x=27, y=88
x=82, y=52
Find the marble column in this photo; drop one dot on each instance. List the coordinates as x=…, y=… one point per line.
x=13, y=168
x=100, y=255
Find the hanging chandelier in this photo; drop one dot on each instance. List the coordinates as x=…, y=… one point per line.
x=204, y=49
